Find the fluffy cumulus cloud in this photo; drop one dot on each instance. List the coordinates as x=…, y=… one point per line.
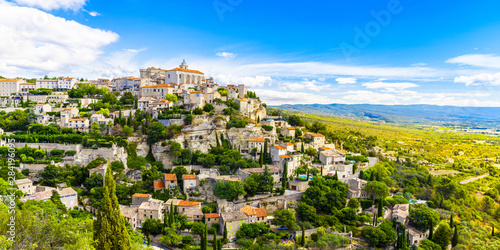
x=225, y=54
x=346, y=80
x=53, y=4
x=480, y=79
x=479, y=60
x=35, y=41
x=390, y=85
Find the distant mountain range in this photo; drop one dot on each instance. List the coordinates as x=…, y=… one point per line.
x=445, y=115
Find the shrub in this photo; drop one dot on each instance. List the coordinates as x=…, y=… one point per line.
x=70, y=152
x=56, y=152
x=267, y=128
x=365, y=204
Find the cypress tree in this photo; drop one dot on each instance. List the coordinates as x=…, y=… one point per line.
x=258, y=119
x=205, y=242
x=303, y=239
x=219, y=244
x=454, y=239
x=261, y=158
x=451, y=220
x=165, y=219
x=322, y=166
x=377, y=177
x=109, y=228
x=380, y=207
x=224, y=235
x=372, y=176
x=284, y=178
x=492, y=230
x=408, y=238
x=374, y=219
x=361, y=174
x=307, y=172
x=302, y=148
x=215, y=240
x=336, y=176
x=217, y=139
x=265, y=151
x=171, y=215
x=431, y=228
x=56, y=199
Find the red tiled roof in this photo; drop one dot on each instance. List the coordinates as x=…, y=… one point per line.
x=285, y=156
x=261, y=212
x=158, y=86
x=159, y=185
x=186, y=70
x=170, y=177
x=212, y=215
x=248, y=210
x=257, y=139
x=279, y=147
x=187, y=203
x=189, y=176
x=140, y=195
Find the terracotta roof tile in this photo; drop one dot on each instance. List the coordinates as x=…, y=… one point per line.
x=187, y=203
x=261, y=212
x=140, y=195
x=248, y=210
x=279, y=147
x=285, y=156
x=170, y=177
x=186, y=70
x=159, y=185
x=257, y=139
x=212, y=215
x=189, y=176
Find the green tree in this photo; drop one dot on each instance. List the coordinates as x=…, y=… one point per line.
x=377, y=189
x=56, y=199
x=285, y=218
x=188, y=119
x=171, y=97
x=429, y=245
x=454, y=239
x=442, y=235
x=109, y=227
x=423, y=217
x=208, y=107
x=353, y=203
x=156, y=132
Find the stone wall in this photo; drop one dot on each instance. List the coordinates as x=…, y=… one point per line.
x=49, y=146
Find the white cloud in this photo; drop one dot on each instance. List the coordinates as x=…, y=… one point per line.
x=94, y=13
x=390, y=85
x=305, y=84
x=249, y=81
x=479, y=60
x=371, y=97
x=273, y=97
x=53, y=4
x=225, y=54
x=346, y=80
x=480, y=79
x=35, y=41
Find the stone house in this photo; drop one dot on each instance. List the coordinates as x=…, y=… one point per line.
x=169, y=182
x=138, y=199
x=401, y=213
x=189, y=182
x=416, y=236
x=25, y=185
x=152, y=209
x=193, y=214
x=298, y=185
x=317, y=140
x=156, y=91
x=182, y=205
x=211, y=219
x=233, y=221
x=243, y=174
x=41, y=109
x=356, y=188
x=256, y=143
x=331, y=157
x=288, y=132
x=276, y=152
x=78, y=124
x=131, y=214
x=67, y=114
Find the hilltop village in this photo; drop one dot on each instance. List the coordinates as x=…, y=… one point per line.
x=191, y=157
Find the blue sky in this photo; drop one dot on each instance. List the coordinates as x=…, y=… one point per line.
x=379, y=52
